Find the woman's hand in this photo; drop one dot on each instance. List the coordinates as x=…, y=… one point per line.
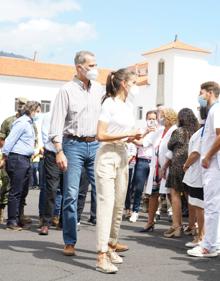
x=185, y=167
x=164, y=172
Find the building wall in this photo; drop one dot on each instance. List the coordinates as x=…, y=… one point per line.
x=184, y=72
x=32, y=89
x=190, y=72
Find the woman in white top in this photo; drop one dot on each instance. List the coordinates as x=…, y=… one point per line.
x=193, y=181
x=115, y=127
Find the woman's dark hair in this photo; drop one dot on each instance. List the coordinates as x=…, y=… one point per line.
x=188, y=121
x=31, y=106
x=114, y=79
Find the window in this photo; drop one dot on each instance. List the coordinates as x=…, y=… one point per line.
x=45, y=106
x=161, y=68
x=140, y=112
x=160, y=82
x=16, y=104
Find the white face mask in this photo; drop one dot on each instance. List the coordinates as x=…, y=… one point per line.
x=133, y=91
x=92, y=74
x=37, y=116
x=152, y=123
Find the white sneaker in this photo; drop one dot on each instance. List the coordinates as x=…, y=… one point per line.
x=114, y=257
x=193, y=244
x=198, y=251
x=134, y=217
x=218, y=251
x=78, y=226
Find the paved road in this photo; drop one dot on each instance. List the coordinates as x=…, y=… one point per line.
x=26, y=256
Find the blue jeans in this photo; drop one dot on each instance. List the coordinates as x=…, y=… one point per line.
x=142, y=170
x=58, y=203
x=78, y=154
x=35, y=177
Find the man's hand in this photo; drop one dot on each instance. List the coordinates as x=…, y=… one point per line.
x=61, y=161
x=206, y=162
x=2, y=163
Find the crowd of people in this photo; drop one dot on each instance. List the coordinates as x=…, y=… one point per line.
x=90, y=138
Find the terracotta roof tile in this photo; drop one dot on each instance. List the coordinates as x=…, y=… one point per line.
x=39, y=70
x=176, y=45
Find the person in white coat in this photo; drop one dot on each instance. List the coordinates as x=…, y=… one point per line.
x=193, y=181
x=210, y=155
x=155, y=184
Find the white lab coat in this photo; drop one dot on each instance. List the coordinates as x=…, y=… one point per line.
x=155, y=140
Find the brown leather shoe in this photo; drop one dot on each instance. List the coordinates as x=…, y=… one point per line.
x=119, y=247
x=69, y=250
x=25, y=219
x=55, y=221
x=44, y=230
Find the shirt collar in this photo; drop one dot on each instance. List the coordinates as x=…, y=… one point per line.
x=81, y=84
x=28, y=118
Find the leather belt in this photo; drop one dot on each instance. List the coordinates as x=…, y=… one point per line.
x=81, y=139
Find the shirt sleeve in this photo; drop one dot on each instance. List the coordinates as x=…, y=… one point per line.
x=45, y=129
x=58, y=116
x=105, y=114
x=17, y=130
x=196, y=142
x=216, y=118
x=169, y=155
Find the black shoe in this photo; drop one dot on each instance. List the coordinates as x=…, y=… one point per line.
x=92, y=221
x=148, y=229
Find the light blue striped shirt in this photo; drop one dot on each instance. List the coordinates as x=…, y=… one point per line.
x=21, y=138
x=45, y=133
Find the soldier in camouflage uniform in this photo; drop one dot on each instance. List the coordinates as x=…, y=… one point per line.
x=4, y=132
x=4, y=188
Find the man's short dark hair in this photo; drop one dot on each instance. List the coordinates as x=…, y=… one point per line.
x=151, y=112
x=80, y=57
x=211, y=86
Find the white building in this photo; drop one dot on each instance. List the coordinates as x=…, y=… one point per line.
x=175, y=72
x=170, y=75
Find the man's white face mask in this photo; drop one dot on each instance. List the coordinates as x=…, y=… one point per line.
x=92, y=74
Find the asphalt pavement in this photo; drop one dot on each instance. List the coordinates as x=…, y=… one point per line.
x=27, y=256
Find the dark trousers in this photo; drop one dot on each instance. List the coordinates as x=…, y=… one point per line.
x=42, y=186
x=54, y=180
x=130, y=190
x=142, y=171
x=18, y=168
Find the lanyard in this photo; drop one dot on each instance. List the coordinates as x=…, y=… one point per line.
x=203, y=129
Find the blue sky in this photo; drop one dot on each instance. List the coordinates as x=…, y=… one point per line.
x=117, y=31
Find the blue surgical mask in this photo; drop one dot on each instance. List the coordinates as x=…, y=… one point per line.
x=202, y=102
x=162, y=121
x=36, y=117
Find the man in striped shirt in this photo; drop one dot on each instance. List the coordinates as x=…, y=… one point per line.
x=73, y=133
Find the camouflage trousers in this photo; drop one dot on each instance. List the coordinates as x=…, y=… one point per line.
x=4, y=188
